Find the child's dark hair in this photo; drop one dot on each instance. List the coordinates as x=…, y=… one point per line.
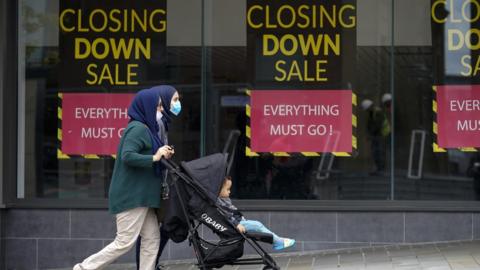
x=227, y=178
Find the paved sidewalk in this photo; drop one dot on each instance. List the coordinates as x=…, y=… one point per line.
x=463, y=255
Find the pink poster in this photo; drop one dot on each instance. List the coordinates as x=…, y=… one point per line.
x=93, y=123
x=301, y=121
x=458, y=116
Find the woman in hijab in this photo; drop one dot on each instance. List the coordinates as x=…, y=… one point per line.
x=170, y=106
x=135, y=189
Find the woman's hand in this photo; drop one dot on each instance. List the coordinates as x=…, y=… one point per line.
x=241, y=228
x=164, y=151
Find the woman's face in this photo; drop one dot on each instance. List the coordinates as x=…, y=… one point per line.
x=175, y=98
x=159, y=106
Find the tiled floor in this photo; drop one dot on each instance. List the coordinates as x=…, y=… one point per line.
x=439, y=256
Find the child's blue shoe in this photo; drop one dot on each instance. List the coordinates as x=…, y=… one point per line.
x=284, y=243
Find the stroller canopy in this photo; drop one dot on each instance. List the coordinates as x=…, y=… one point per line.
x=209, y=172
x=200, y=189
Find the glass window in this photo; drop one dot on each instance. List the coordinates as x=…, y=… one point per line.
x=76, y=47
x=412, y=81
x=235, y=64
x=435, y=69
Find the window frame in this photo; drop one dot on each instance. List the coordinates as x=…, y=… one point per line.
x=2, y=89
x=280, y=205
x=9, y=100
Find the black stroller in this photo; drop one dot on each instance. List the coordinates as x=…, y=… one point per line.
x=195, y=188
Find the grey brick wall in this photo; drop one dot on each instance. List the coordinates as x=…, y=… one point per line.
x=43, y=239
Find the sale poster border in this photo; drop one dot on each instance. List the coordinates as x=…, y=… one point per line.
x=60, y=154
x=250, y=153
x=436, y=147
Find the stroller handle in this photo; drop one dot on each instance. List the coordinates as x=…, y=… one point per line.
x=170, y=165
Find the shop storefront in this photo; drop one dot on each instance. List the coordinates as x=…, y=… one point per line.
x=347, y=123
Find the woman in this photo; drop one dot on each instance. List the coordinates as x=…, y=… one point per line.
x=135, y=189
x=170, y=106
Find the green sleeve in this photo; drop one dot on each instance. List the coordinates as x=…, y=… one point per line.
x=136, y=140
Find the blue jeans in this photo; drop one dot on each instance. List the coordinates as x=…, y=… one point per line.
x=257, y=226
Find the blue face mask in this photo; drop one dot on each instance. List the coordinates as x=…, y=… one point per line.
x=176, y=107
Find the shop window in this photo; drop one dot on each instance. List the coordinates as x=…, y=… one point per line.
x=394, y=70
x=82, y=47
x=242, y=56
x=436, y=131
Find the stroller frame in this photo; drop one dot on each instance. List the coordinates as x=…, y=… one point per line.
x=194, y=238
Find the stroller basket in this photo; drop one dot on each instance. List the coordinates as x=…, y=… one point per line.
x=223, y=252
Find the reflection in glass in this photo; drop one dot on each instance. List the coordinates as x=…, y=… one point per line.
x=42, y=174
x=298, y=177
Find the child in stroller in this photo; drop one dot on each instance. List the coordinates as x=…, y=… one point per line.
x=243, y=225
x=196, y=186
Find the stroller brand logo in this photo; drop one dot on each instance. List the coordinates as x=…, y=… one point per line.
x=212, y=222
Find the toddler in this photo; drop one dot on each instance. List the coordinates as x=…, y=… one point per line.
x=244, y=225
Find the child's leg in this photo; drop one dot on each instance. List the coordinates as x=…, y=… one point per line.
x=257, y=226
x=278, y=242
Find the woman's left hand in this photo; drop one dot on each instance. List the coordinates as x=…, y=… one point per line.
x=169, y=151
x=163, y=152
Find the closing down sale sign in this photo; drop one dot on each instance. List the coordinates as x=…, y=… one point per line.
x=301, y=121
x=93, y=123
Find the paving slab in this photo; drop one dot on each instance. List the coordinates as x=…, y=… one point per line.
x=459, y=255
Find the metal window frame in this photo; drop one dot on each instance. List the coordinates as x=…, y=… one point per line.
x=3, y=39
x=392, y=91
x=20, y=41
x=281, y=205
x=9, y=100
